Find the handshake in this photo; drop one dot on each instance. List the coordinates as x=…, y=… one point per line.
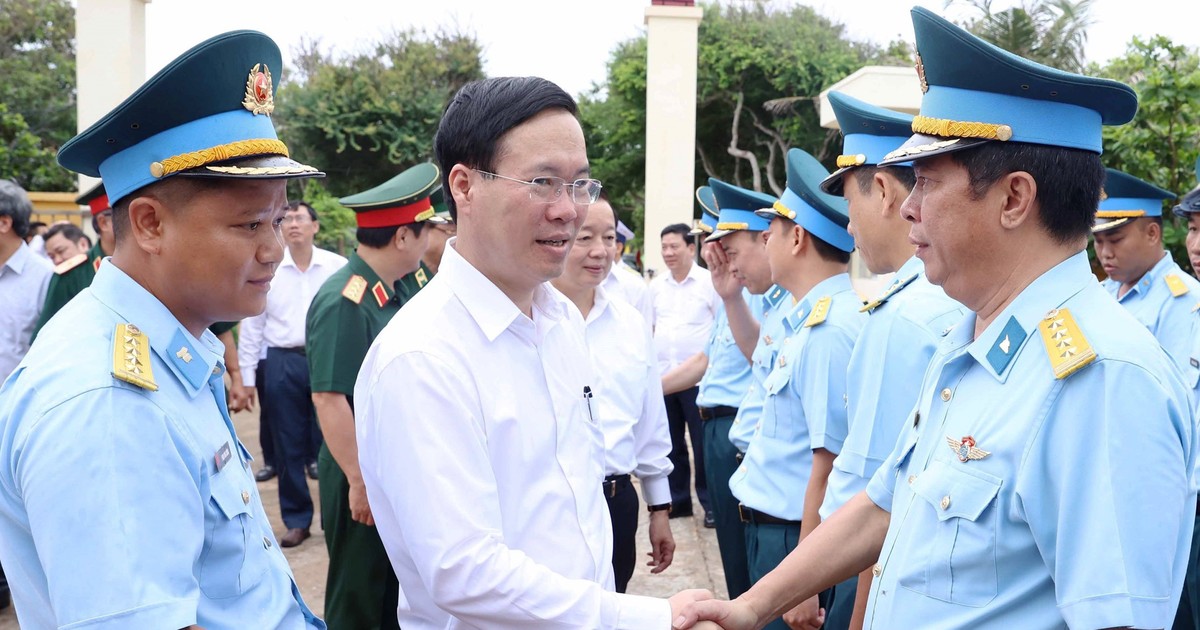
x=697, y=610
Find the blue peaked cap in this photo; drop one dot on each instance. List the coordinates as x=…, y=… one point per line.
x=1128, y=198
x=708, y=215
x=737, y=206
x=869, y=132
x=821, y=214
x=1190, y=203
x=976, y=92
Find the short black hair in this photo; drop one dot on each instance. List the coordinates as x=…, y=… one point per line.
x=682, y=230
x=33, y=225
x=481, y=113
x=378, y=237
x=15, y=204
x=828, y=252
x=170, y=191
x=96, y=219
x=866, y=176
x=616, y=217
x=69, y=231
x=1068, y=181
x=312, y=212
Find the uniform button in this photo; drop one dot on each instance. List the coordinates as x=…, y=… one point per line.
x=946, y=394
x=246, y=497
x=877, y=570
x=946, y=502
x=266, y=543
x=911, y=479
x=216, y=371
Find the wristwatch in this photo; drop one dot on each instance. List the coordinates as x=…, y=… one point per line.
x=660, y=507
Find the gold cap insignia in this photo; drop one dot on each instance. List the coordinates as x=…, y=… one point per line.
x=259, y=97
x=965, y=449
x=921, y=74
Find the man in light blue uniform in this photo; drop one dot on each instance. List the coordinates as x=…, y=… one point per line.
x=1042, y=479
x=1142, y=276
x=741, y=276
x=1188, y=616
x=781, y=482
x=126, y=498
x=905, y=322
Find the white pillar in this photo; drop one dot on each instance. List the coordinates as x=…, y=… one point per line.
x=110, y=57
x=670, y=123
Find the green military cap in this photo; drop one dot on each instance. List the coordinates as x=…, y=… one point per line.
x=96, y=199
x=207, y=114
x=403, y=199
x=438, y=199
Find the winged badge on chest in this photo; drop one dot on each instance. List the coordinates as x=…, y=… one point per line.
x=965, y=449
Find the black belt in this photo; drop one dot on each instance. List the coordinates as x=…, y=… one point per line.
x=751, y=515
x=298, y=350
x=720, y=411
x=612, y=482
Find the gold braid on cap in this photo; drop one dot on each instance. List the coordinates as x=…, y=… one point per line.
x=219, y=153
x=958, y=129
x=846, y=161
x=1119, y=214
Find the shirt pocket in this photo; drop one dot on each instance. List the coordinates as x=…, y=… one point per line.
x=960, y=563
x=234, y=557
x=778, y=404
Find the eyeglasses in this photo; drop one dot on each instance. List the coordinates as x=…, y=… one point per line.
x=584, y=192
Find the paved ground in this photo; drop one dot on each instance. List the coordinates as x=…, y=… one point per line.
x=697, y=563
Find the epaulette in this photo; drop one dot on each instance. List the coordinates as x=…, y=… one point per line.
x=892, y=290
x=819, y=313
x=131, y=357
x=1175, y=284
x=1066, y=346
x=69, y=264
x=355, y=289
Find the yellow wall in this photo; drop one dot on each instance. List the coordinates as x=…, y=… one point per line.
x=49, y=207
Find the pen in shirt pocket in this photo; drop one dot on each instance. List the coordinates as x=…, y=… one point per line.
x=587, y=398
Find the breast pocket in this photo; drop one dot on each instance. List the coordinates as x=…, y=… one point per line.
x=961, y=535
x=778, y=403
x=234, y=557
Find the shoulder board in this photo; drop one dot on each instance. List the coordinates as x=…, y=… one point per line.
x=131, y=357
x=895, y=288
x=70, y=263
x=819, y=313
x=1174, y=283
x=355, y=288
x=1066, y=346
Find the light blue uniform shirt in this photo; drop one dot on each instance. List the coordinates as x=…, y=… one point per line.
x=805, y=403
x=777, y=303
x=113, y=513
x=1168, y=316
x=728, y=374
x=903, y=328
x=1074, y=509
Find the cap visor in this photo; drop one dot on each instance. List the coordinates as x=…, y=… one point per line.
x=1103, y=225
x=832, y=185
x=921, y=146
x=718, y=235
x=257, y=167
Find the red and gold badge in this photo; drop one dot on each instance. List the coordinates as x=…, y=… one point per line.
x=259, y=97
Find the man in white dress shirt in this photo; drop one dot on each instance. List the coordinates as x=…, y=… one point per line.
x=287, y=398
x=629, y=402
x=622, y=280
x=684, y=306
x=482, y=460
x=24, y=278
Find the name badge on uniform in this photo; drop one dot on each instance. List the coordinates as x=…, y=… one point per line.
x=222, y=456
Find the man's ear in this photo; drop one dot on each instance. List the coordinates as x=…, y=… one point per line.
x=147, y=223
x=1018, y=191
x=459, y=182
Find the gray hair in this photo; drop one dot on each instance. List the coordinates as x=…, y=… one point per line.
x=15, y=204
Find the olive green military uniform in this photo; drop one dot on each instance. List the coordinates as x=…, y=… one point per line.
x=70, y=277
x=346, y=315
x=410, y=284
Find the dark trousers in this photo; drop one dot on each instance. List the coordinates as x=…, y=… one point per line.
x=766, y=547
x=841, y=605
x=1188, y=615
x=682, y=416
x=290, y=412
x=5, y=598
x=265, y=438
x=720, y=462
x=623, y=511
x=361, y=589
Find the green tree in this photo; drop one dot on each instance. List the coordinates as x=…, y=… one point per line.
x=363, y=117
x=760, y=71
x=1159, y=146
x=1051, y=32
x=37, y=63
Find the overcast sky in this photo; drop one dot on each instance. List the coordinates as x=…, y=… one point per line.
x=568, y=41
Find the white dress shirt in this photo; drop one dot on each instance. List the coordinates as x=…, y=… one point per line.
x=483, y=467
x=281, y=325
x=629, y=398
x=24, y=278
x=625, y=282
x=683, y=315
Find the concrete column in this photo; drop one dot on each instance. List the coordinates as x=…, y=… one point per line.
x=670, y=123
x=110, y=57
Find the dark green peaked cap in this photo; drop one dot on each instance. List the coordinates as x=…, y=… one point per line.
x=400, y=200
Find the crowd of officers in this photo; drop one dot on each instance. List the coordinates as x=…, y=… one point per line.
x=993, y=439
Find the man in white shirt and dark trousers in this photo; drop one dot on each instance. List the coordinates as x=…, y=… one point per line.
x=481, y=459
x=286, y=395
x=684, y=305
